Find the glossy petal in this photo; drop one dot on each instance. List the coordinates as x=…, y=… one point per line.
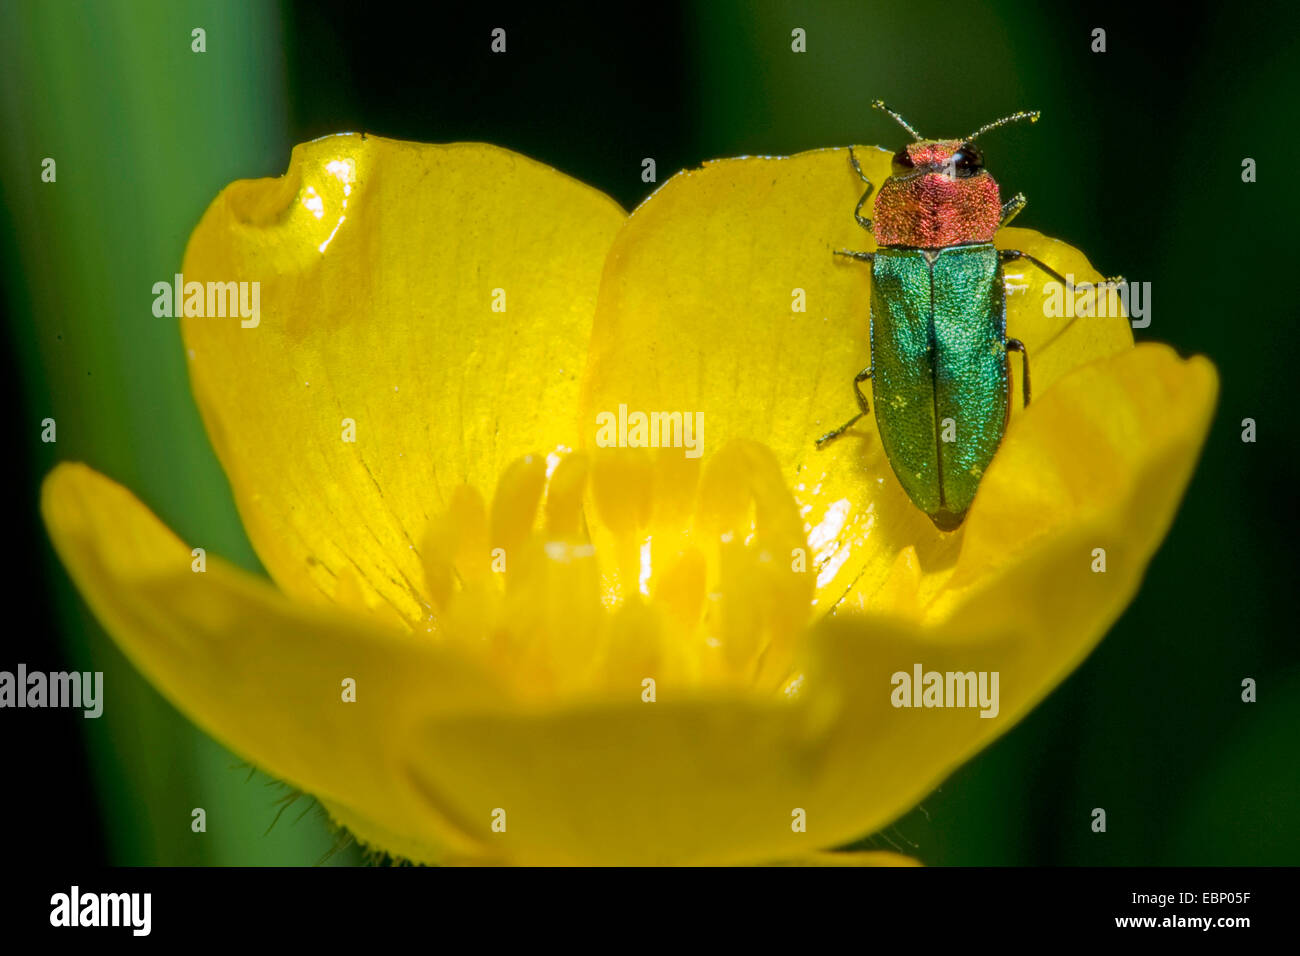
x=1027, y=598
x=696, y=314
x=380, y=264
x=264, y=674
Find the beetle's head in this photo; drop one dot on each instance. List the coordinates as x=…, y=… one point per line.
x=939, y=193
x=950, y=158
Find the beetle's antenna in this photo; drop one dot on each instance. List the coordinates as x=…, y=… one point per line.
x=1031, y=115
x=880, y=105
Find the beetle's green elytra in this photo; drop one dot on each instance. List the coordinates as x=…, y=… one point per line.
x=939, y=372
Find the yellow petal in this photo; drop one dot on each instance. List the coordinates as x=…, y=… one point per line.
x=262, y=674
x=1101, y=464
x=695, y=781
x=1035, y=609
x=696, y=313
x=380, y=263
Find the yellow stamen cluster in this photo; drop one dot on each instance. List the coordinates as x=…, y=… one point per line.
x=690, y=576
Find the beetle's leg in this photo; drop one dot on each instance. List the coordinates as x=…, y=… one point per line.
x=1011, y=208
x=857, y=168
x=858, y=379
x=1015, y=345
x=863, y=221
x=863, y=256
x=1011, y=255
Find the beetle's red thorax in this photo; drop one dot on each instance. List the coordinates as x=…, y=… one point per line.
x=929, y=207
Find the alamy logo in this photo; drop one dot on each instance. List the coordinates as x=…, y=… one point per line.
x=1100, y=299
x=102, y=909
x=651, y=430
x=215, y=300
x=948, y=689
x=58, y=689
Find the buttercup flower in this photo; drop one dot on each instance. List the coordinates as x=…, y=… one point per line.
x=561, y=652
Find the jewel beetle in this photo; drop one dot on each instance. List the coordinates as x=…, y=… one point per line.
x=939, y=368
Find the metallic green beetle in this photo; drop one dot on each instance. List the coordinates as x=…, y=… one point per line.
x=939, y=369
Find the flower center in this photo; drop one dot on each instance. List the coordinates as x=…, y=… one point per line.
x=625, y=571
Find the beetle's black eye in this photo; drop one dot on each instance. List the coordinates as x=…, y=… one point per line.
x=967, y=161
x=902, y=162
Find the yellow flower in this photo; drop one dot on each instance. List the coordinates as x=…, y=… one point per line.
x=566, y=653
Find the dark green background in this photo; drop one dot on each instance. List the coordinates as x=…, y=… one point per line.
x=1137, y=161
